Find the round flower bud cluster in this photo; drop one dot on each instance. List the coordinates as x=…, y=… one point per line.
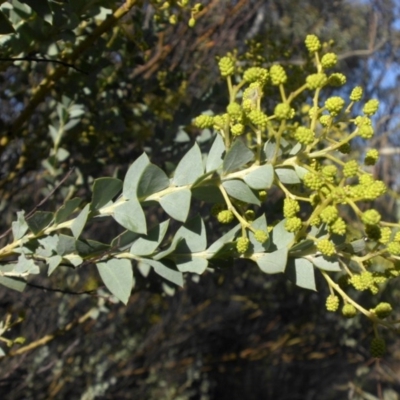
x=251, y=96
x=226, y=66
x=293, y=224
x=339, y=195
x=337, y=79
x=377, y=347
x=382, y=310
x=356, y=93
x=329, y=214
x=221, y=121
x=312, y=43
x=315, y=221
x=256, y=74
x=345, y=148
x=278, y=75
x=329, y=171
x=316, y=81
x=334, y=105
x=290, y=207
x=258, y=118
x=283, y=111
x=338, y=227
x=362, y=281
x=250, y=215
x=371, y=107
x=225, y=216
x=237, y=129
x=326, y=247
x=360, y=121
x=313, y=181
x=371, y=217
x=386, y=233
x=234, y=110
x=371, y=157
x=204, y=121
x=349, y=311
x=304, y=135
x=242, y=245
x=366, y=131
x=393, y=248
x=329, y=60
x=332, y=303
x=325, y=120
x=397, y=237
x=260, y=236
x=350, y=169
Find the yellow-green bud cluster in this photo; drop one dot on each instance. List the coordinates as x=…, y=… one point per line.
x=256, y=74
x=337, y=79
x=237, y=129
x=226, y=66
x=325, y=120
x=312, y=43
x=204, y=121
x=313, y=181
x=262, y=195
x=338, y=227
x=377, y=347
x=393, y=248
x=349, y=311
x=332, y=303
x=397, y=237
x=242, y=245
x=334, y=105
x=371, y=107
x=345, y=148
x=225, y=216
x=283, y=111
x=371, y=217
x=386, y=233
x=258, y=118
x=234, y=110
x=278, y=75
x=362, y=281
x=293, y=224
x=290, y=208
x=329, y=171
x=328, y=60
x=356, y=94
x=250, y=215
x=382, y=310
x=316, y=81
x=366, y=131
x=304, y=135
x=221, y=121
x=329, y=214
x=371, y=157
x=350, y=169
x=261, y=236
x=326, y=247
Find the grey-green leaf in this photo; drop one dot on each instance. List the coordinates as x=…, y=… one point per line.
x=133, y=176
x=19, y=227
x=117, y=275
x=177, y=204
x=67, y=209
x=25, y=265
x=272, y=263
x=226, y=238
x=104, y=190
x=191, y=236
x=146, y=245
x=53, y=263
x=280, y=236
x=39, y=221
x=13, y=283
x=196, y=265
x=237, y=156
x=65, y=245
x=152, y=181
x=261, y=178
x=169, y=274
x=259, y=224
x=326, y=263
x=216, y=154
x=190, y=168
x=80, y=221
x=240, y=191
x=131, y=216
x=287, y=176
x=301, y=272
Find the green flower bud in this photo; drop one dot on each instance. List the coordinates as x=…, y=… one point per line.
x=283, y=111
x=345, y=148
x=325, y=120
x=371, y=107
x=326, y=247
x=237, y=129
x=362, y=281
x=225, y=216
x=356, y=93
x=226, y=64
x=312, y=43
x=386, y=233
x=258, y=118
x=338, y=227
x=382, y=310
x=332, y=303
x=397, y=237
x=256, y=74
x=334, y=105
x=278, y=75
x=377, y=347
x=350, y=168
x=371, y=157
x=293, y=224
x=242, y=245
x=234, y=110
x=192, y=23
x=337, y=79
x=349, y=311
x=250, y=215
x=316, y=81
x=366, y=131
x=262, y=195
x=329, y=171
x=261, y=236
x=290, y=208
x=204, y=121
x=304, y=135
x=329, y=60
x=371, y=217
x=393, y=248
x=329, y=214
x=313, y=181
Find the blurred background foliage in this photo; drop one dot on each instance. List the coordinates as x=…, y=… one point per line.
x=93, y=84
